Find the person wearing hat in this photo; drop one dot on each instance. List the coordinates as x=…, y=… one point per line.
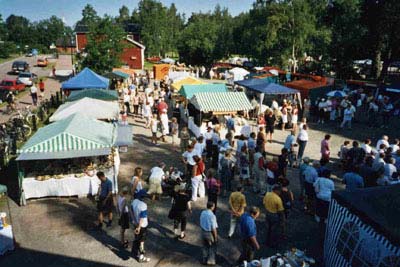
x=180, y=209
x=140, y=223
x=275, y=217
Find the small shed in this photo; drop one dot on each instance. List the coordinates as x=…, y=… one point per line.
x=363, y=228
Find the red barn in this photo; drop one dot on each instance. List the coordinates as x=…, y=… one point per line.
x=133, y=54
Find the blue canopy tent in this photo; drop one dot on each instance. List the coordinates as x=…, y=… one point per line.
x=273, y=89
x=86, y=79
x=251, y=82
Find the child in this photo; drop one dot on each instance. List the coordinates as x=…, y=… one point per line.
x=213, y=186
x=174, y=130
x=154, y=128
x=185, y=136
x=123, y=208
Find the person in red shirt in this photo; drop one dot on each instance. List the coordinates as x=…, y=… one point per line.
x=162, y=106
x=41, y=88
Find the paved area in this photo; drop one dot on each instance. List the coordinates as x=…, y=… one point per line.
x=52, y=85
x=60, y=231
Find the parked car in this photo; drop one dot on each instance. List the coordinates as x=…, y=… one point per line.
x=12, y=85
x=42, y=62
x=19, y=66
x=27, y=78
x=29, y=54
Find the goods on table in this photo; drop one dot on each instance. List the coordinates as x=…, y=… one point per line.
x=78, y=168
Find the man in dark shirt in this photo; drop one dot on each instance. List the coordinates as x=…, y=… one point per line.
x=248, y=232
x=367, y=172
x=105, y=199
x=356, y=154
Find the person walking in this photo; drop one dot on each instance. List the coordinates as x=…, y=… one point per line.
x=248, y=230
x=137, y=183
x=123, y=209
x=237, y=204
x=348, y=114
x=275, y=217
x=325, y=148
x=184, y=135
x=270, y=121
x=180, y=209
x=197, y=178
x=226, y=172
x=323, y=188
x=34, y=94
x=209, y=226
x=140, y=223
x=105, y=201
x=41, y=89
x=302, y=139
x=213, y=186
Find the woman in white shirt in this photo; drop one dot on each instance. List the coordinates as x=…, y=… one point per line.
x=302, y=139
x=323, y=188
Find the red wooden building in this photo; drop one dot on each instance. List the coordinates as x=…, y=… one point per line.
x=133, y=54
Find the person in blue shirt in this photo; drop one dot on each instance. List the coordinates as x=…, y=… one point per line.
x=248, y=231
x=209, y=225
x=105, y=201
x=352, y=179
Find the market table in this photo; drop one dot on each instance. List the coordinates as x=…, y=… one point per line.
x=6, y=240
x=67, y=186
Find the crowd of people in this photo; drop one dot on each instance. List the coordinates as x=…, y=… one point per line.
x=218, y=166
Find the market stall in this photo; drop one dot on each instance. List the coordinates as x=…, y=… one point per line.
x=117, y=75
x=105, y=95
x=66, y=155
x=238, y=74
x=90, y=107
x=311, y=88
x=186, y=81
x=84, y=80
x=6, y=231
x=215, y=104
x=189, y=90
x=178, y=75
x=363, y=228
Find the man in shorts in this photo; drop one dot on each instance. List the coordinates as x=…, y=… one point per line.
x=157, y=175
x=105, y=201
x=140, y=223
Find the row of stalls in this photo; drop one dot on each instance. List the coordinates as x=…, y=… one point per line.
x=83, y=137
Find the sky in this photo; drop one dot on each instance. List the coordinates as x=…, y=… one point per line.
x=70, y=10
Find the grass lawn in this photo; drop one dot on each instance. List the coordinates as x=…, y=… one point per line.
x=148, y=65
x=2, y=60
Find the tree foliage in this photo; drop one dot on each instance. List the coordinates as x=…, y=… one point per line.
x=104, y=45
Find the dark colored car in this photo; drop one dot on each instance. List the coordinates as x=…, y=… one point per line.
x=12, y=85
x=19, y=66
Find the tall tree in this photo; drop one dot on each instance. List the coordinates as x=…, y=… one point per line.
x=198, y=39
x=124, y=15
x=89, y=15
x=19, y=30
x=104, y=46
x=347, y=34
x=6, y=47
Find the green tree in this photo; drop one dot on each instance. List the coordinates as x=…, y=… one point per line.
x=198, y=39
x=152, y=16
x=6, y=47
x=124, y=16
x=19, y=30
x=89, y=15
x=104, y=46
x=347, y=35
x=49, y=30
x=175, y=22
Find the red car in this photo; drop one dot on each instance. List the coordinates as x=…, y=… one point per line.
x=12, y=85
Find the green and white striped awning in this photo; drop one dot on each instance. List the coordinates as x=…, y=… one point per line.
x=221, y=102
x=75, y=133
